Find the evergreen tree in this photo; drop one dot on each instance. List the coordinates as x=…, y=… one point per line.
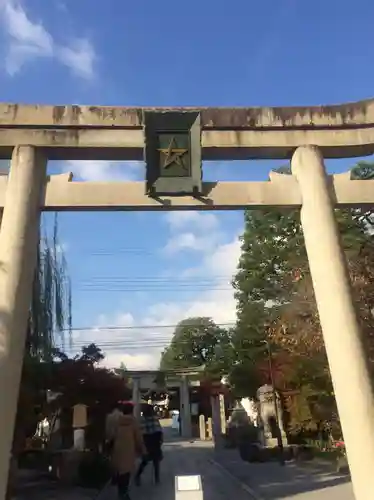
x=198, y=343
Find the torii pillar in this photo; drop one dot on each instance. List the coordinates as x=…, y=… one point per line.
x=19, y=237
x=185, y=408
x=136, y=396
x=341, y=332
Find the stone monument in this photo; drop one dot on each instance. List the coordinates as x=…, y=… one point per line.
x=270, y=415
x=80, y=423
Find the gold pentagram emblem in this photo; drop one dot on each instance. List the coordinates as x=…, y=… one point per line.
x=173, y=154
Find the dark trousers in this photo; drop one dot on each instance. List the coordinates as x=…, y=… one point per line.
x=123, y=481
x=143, y=465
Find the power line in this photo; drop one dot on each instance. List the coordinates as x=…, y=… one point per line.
x=136, y=327
x=136, y=343
x=110, y=252
x=125, y=348
x=160, y=278
x=149, y=285
x=128, y=344
x=139, y=343
x=175, y=281
x=159, y=284
x=158, y=290
x=118, y=251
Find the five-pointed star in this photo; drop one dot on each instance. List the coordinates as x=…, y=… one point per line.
x=173, y=154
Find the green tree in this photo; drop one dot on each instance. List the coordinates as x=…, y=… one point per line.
x=275, y=299
x=91, y=354
x=198, y=342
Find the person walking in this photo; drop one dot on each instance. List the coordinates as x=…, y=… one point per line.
x=153, y=439
x=127, y=446
x=111, y=425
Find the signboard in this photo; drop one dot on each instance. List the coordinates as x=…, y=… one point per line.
x=194, y=409
x=188, y=488
x=80, y=416
x=173, y=153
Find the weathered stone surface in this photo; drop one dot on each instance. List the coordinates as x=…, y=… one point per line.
x=347, y=114
x=61, y=194
x=116, y=133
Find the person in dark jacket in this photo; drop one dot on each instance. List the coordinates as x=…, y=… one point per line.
x=153, y=439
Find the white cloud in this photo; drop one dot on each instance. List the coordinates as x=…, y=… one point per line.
x=190, y=230
x=79, y=57
x=28, y=40
x=140, y=348
x=123, y=342
x=199, y=221
x=190, y=241
x=105, y=170
x=220, y=265
x=133, y=361
x=222, y=262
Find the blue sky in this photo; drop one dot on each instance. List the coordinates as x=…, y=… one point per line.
x=146, y=270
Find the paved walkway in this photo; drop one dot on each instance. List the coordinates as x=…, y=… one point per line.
x=224, y=476
x=270, y=481
x=184, y=458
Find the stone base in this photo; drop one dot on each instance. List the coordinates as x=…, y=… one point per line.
x=65, y=465
x=271, y=442
x=342, y=465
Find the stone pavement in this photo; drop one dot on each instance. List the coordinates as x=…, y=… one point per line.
x=224, y=476
x=52, y=493
x=32, y=486
x=270, y=481
x=184, y=458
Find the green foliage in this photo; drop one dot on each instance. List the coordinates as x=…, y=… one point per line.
x=244, y=379
x=198, y=342
x=91, y=354
x=81, y=380
x=50, y=315
x=50, y=311
x=299, y=410
x=275, y=300
x=265, y=259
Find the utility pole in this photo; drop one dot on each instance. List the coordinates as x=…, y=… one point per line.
x=279, y=435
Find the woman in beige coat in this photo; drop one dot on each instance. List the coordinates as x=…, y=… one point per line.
x=127, y=447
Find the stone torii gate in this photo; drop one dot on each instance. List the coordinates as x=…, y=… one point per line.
x=30, y=135
x=178, y=378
